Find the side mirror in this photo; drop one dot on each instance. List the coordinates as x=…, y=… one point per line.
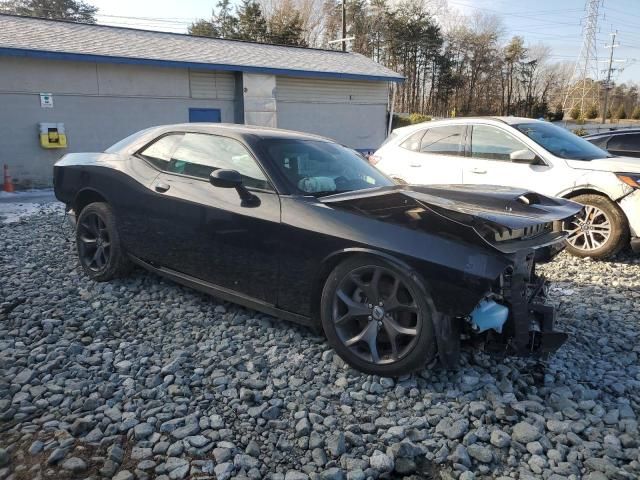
x=223, y=178
x=523, y=156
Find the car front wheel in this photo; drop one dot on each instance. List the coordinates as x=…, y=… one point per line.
x=600, y=231
x=99, y=249
x=378, y=317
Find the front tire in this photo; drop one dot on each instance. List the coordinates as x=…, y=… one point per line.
x=99, y=249
x=378, y=317
x=600, y=232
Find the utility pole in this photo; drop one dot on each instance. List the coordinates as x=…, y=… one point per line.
x=344, y=25
x=607, y=84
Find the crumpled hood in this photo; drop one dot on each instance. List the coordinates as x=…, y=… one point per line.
x=499, y=215
x=613, y=164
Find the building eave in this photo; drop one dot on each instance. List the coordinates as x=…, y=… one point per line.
x=56, y=55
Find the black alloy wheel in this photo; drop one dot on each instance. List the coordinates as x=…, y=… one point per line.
x=94, y=245
x=378, y=318
x=101, y=255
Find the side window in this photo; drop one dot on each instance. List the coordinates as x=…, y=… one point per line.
x=491, y=143
x=629, y=142
x=601, y=142
x=413, y=142
x=159, y=153
x=443, y=140
x=199, y=154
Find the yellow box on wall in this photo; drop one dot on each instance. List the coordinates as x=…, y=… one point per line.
x=52, y=135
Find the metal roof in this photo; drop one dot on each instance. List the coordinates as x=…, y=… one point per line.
x=35, y=37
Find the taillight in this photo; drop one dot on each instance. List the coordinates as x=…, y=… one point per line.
x=373, y=159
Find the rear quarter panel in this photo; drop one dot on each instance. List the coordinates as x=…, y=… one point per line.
x=122, y=181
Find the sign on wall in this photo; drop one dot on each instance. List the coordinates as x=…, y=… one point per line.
x=46, y=100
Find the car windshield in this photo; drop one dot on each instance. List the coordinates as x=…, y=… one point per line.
x=561, y=142
x=316, y=167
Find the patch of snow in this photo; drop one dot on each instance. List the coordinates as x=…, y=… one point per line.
x=15, y=212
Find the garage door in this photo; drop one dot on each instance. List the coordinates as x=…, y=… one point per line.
x=316, y=90
x=353, y=113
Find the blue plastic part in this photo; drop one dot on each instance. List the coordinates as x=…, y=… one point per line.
x=489, y=314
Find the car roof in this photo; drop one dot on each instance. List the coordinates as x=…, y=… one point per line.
x=468, y=120
x=256, y=131
x=137, y=140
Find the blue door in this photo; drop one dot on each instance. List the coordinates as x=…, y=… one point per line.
x=204, y=115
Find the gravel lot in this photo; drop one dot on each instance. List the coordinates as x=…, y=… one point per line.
x=142, y=378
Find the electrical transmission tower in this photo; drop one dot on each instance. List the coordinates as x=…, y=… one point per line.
x=583, y=87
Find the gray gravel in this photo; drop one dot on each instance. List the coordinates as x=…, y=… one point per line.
x=141, y=378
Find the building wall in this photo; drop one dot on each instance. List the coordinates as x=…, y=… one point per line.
x=351, y=112
x=99, y=104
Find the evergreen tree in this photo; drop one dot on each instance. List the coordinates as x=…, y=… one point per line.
x=621, y=113
x=514, y=55
x=223, y=23
x=636, y=113
x=559, y=112
x=251, y=22
x=575, y=113
x=203, y=28
x=74, y=10
x=286, y=26
x=592, y=111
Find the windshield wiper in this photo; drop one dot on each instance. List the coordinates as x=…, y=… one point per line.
x=326, y=192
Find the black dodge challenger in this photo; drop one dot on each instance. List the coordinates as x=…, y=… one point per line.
x=305, y=229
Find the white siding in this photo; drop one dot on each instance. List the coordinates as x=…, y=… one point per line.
x=220, y=85
x=316, y=90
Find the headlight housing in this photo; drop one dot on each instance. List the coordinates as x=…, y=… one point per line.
x=631, y=179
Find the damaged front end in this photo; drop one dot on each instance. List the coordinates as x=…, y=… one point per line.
x=513, y=316
x=516, y=318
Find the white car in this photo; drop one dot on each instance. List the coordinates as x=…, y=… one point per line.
x=531, y=154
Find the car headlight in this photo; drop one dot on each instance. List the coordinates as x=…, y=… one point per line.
x=631, y=179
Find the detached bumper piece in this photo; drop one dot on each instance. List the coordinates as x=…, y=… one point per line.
x=529, y=330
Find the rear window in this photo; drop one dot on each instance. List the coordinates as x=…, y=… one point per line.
x=125, y=142
x=413, y=142
x=393, y=136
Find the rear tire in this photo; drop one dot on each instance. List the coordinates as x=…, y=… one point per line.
x=99, y=249
x=600, y=232
x=378, y=318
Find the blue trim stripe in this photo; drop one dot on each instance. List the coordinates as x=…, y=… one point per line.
x=20, y=52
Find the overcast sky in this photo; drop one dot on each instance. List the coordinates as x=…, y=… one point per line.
x=556, y=23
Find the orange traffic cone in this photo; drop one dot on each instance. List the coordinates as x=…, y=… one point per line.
x=8, y=184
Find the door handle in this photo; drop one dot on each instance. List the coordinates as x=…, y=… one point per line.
x=478, y=170
x=162, y=187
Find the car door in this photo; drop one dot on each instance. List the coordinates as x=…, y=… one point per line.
x=626, y=145
x=489, y=162
x=435, y=155
x=208, y=232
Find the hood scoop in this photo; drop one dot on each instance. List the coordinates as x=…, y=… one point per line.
x=508, y=207
x=503, y=217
